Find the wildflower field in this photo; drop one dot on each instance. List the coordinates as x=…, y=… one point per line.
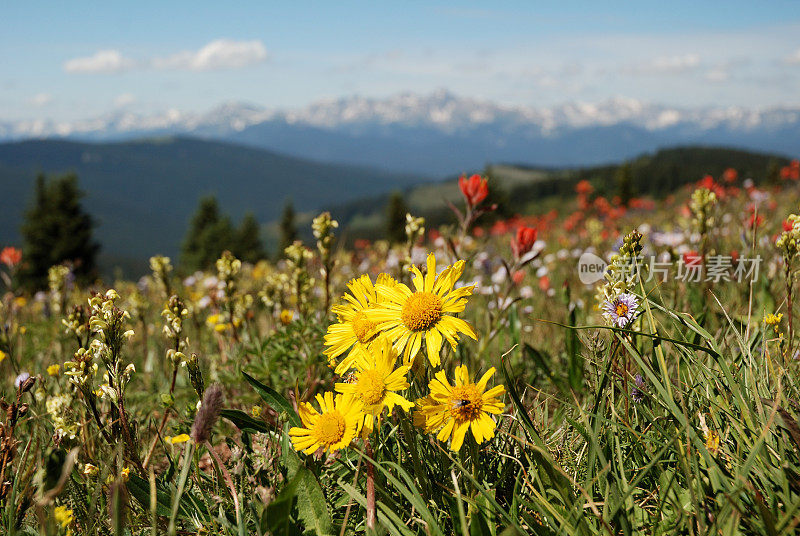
x=608, y=367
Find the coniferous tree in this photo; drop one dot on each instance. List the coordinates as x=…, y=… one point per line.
x=221, y=237
x=288, y=228
x=206, y=217
x=396, y=212
x=625, y=184
x=57, y=230
x=248, y=246
x=209, y=234
x=773, y=172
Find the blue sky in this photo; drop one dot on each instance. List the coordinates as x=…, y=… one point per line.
x=67, y=62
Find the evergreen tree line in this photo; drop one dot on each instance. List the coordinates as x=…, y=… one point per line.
x=211, y=232
x=57, y=230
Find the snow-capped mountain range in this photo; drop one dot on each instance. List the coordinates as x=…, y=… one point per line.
x=441, y=133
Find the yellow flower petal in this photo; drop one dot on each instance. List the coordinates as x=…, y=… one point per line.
x=182, y=438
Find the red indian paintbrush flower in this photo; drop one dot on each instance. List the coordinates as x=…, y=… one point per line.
x=523, y=241
x=584, y=188
x=792, y=171
x=692, y=258
x=10, y=256
x=475, y=189
x=755, y=220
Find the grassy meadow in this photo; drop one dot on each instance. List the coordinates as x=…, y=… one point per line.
x=470, y=380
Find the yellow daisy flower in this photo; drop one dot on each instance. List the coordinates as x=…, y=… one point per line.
x=181, y=438
x=376, y=381
x=286, y=317
x=426, y=313
x=64, y=516
x=331, y=429
x=354, y=330
x=452, y=409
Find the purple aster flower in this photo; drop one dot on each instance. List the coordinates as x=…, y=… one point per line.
x=637, y=393
x=621, y=310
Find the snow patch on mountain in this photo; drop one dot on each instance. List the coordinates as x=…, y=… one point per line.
x=440, y=110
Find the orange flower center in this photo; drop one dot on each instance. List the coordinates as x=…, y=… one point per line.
x=466, y=403
x=363, y=328
x=421, y=311
x=330, y=428
x=371, y=386
x=622, y=309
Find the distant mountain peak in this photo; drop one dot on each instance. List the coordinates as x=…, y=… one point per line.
x=440, y=109
x=440, y=132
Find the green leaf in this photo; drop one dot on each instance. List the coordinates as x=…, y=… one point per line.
x=575, y=360
x=311, y=504
x=521, y=410
x=139, y=489
x=559, y=480
x=545, y=364
x=766, y=516
x=274, y=399
x=277, y=518
x=244, y=422
x=478, y=525
x=387, y=515
x=710, y=351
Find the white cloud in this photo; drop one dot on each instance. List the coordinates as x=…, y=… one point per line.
x=216, y=55
x=40, y=99
x=718, y=74
x=665, y=65
x=794, y=57
x=678, y=64
x=102, y=61
x=124, y=99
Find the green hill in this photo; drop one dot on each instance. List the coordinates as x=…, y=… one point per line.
x=143, y=193
x=523, y=190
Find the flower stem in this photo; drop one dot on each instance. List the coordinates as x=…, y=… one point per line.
x=184, y=476
x=370, y=487
x=228, y=480
x=789, y=309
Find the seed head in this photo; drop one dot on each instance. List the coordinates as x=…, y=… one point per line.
x=208, y=414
